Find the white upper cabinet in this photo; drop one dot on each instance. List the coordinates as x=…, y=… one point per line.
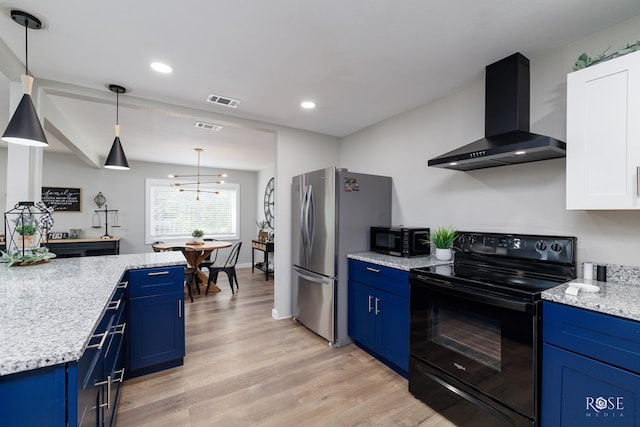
x=603, y=135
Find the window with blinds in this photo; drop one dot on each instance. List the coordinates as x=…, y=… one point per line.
x=172, y=214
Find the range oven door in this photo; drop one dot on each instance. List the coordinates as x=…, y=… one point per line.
x=484, y=341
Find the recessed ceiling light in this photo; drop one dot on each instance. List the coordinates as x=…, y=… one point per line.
x=308, y=105
x=161, y=68
x=453, y=164
x=520, y=153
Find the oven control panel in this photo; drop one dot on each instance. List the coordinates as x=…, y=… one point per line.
x=523, y=246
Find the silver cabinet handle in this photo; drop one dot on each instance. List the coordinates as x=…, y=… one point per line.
x=373, y=270
x=114, y=305
x=370, y=308
x=638, y=180
x=179, y=309
x=121, y=373
x=101, y=343
x=377, y=311
x=106, y=382
x=158, y=273
x=121, y=330
x=123, y=285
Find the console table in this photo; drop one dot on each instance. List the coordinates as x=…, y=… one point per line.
x=264, y=247
x=84, y=247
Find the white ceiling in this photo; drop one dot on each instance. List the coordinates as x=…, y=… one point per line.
x=361, y=61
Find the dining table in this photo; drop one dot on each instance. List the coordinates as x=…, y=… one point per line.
x=196, y=254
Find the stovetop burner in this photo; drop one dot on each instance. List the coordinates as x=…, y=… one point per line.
x=516, y=265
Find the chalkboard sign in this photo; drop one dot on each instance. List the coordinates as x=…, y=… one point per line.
x=62, y=199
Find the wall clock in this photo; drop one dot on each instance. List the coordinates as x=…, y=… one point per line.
x=269, y=200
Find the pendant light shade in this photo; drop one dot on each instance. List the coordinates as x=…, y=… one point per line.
x=116, y=158
x=24, y=127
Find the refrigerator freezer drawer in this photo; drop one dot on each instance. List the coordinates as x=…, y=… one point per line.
x=314, y=302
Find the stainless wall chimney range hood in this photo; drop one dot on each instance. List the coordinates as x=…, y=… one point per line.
x=507, y=138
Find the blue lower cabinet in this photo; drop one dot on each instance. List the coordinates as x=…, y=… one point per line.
x=34, y=398
x=379, y=312
x=590, y=369
x=580, y=391
x=155, y=338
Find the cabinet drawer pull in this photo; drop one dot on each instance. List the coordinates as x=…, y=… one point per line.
x=179, y=309
x=158, y=273
x=106, y=382
x=121, y=373
x=370, y=308
x=120, y=329
x=123, y=285
x=102, y=340
x=373, y=270
x=377, y=311
x=114, y=305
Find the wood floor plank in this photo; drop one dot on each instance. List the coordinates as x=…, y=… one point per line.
x=243, y=368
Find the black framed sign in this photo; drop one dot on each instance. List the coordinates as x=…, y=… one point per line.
x=62, y=199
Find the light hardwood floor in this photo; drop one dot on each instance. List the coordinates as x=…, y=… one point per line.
x=243, y=368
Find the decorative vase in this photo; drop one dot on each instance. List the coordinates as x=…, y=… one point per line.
x=443, y=254
x=263, y=236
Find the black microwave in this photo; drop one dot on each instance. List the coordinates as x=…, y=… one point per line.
x=400, y=241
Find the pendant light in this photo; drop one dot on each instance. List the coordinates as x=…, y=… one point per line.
x=117, y=159
x=197, y=182
x=24, y=128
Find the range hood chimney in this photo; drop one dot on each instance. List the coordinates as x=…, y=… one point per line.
x=507, y=138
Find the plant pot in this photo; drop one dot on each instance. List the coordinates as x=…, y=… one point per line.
x=263, y=236
x=443, y=254
x=26, y=242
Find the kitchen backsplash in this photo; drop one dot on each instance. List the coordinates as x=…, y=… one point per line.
x=621, y=273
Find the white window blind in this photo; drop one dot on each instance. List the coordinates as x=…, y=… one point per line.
x=172, y=214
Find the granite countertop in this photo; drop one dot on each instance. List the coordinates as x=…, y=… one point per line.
x=49, y=311
x=399, y=263
x=614, y=298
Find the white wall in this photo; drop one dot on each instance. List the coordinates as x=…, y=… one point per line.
x=525, y=198
x=125, y=191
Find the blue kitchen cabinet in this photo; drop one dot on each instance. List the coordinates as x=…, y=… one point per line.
x=590, y=368
x=379, y=312
x=34, y=398
x=155, y=339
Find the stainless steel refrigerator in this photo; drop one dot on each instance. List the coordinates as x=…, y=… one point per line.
x=332, y=212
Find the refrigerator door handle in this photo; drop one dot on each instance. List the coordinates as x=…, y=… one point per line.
x=311, y=218
x=317, y=278
x=303, y=220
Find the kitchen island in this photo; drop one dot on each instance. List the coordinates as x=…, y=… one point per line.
x=49, y=316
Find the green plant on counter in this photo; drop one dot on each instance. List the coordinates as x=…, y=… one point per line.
x=443, y=237
x=26, y=225
x=197, y=233
x=262, y=225
x=36, y=256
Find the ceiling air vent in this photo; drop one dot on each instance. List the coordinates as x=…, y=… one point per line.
x=208, y=126
x=221, y=100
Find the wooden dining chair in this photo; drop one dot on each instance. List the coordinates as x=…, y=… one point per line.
x=229, y=267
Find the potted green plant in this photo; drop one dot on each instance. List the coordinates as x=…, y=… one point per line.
x=26, y=227
x=443, y=238
x=197, y=236
x=263, y=234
